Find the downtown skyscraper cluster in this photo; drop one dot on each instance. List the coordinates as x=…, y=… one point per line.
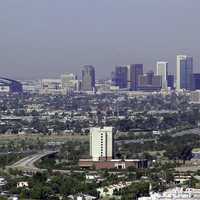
x=131, y=77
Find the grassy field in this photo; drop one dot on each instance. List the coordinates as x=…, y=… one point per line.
x=4, y=139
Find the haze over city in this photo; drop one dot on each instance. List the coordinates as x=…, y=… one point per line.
x=46, y=38
x=100, y=100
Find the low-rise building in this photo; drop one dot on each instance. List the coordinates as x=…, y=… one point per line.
x=22, y=184
x=108, y=191
x=81, y=197
x=51, y=86
x=175, y=194
x=113, y=163
x=195, y=96
x=181, y=179
x=2, y=181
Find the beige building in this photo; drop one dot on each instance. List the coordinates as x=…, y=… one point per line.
x=88, y=78
x=101, y=143
x=69, y=82
x=51, y=86
x=102, y=152
x=195, y=96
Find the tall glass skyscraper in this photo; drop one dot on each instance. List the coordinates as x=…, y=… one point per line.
x=88, y=78
x=184, y=70
x=196, y=81
x=170, y=81
x=134, y=71
x=121, y=76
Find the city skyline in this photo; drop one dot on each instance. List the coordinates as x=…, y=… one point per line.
x=100, y=100
x=65, y=35
x=107, y=74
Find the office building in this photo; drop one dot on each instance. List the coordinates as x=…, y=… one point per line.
x=101, y=143
x=196, y=81
x=195, y=96
x=184, y=70
x=51, y=86
x=31, y=86
x=68, y=82
x=102, y=152
x=88, y=78
x=162, y=70
x=134, y=71
x=121, y=77
x=170, y=81
x=150, y=82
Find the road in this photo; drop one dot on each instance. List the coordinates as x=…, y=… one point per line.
x=27, y=163
x=195, y=131
x=136, y=141
x=188, y=169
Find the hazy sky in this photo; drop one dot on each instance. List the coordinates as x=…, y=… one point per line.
x=41, y=38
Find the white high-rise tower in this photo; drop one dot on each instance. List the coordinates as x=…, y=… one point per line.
x=162, y=70
x=101, y=143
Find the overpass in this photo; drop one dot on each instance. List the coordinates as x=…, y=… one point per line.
x=27, y=164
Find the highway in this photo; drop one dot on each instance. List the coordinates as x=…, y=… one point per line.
x=27, y=163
